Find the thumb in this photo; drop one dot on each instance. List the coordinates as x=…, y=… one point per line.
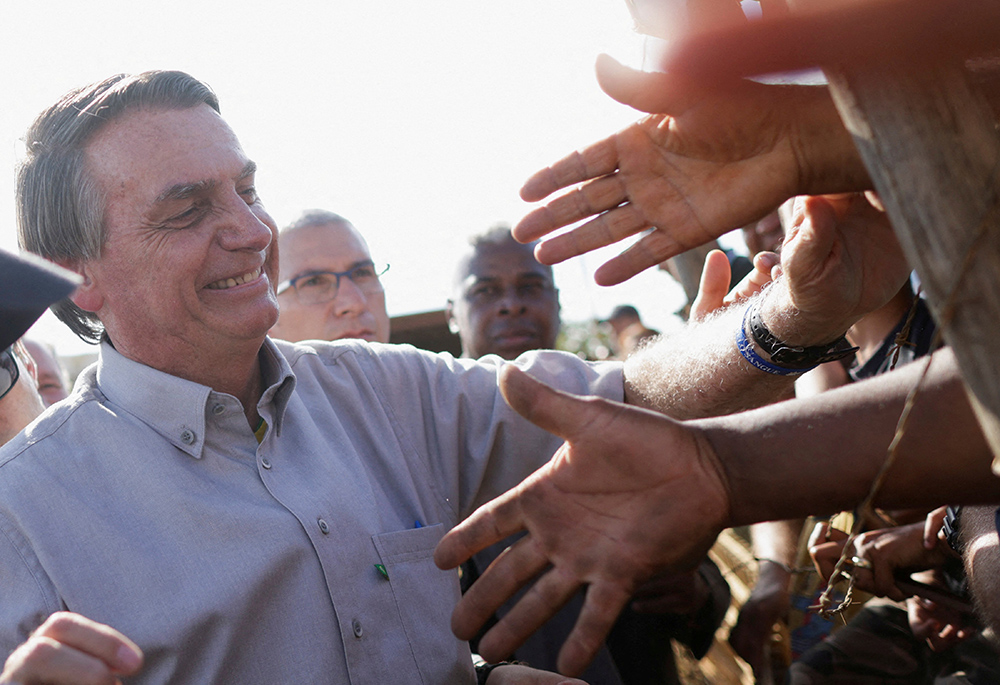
x=557, y=412
x=714, y=285
x=645, y=91
x=810, y=242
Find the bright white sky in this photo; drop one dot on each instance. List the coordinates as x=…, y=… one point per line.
x=416, y=119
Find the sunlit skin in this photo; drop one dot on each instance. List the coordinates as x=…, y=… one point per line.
x=335, y=247
x=522, y=313
x=50, y=377
x=22, y=404
x=185, y=280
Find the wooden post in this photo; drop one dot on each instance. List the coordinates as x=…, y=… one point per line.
x=930, y=142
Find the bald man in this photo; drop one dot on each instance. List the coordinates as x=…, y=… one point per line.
x=328, y=285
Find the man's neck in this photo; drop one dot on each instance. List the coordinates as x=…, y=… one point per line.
x=234, y=370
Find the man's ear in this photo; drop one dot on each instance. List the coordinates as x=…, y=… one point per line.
x=449, y=313
x=87, y=296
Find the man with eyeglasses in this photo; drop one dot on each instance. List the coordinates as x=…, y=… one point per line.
x=329, y=286
x=252, y=510
x=27, y=287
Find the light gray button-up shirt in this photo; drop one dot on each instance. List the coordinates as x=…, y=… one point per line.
x=145, y=502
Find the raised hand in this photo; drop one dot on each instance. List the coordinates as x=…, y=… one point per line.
x=703, y=164
x=840, y=260
x=630, y=493
x=713, y=290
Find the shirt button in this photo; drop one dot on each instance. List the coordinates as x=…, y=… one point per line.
x=323, y=526
x=265, y=462
x=219, y=409
x=356, y=627
x=187, y=437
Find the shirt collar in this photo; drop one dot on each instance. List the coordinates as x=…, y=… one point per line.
x=177, y=409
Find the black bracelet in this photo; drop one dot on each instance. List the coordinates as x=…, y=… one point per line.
x=790, y=357
x=951, y=527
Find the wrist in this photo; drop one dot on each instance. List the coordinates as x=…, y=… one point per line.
x=769, y=353
x=783, y=318
x=828, y=160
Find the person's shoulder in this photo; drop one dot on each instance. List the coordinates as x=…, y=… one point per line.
x=330, y=352
x=61, y=418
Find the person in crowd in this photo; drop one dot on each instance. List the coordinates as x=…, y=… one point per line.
x=629, y=330
x=27, y=287
x=329, y=287
x=348, y=461
x=504, y=302
x=929, y=632
x=671, y=487
x=897, y=333
x=52, y=381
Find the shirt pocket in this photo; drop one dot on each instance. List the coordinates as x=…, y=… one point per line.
x=425, y=597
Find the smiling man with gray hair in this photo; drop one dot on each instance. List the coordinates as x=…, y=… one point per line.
x=250, y=510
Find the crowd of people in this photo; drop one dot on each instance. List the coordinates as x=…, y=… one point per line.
x=251, y=485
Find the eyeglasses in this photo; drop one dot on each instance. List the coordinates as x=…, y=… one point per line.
x=9, y=371
x=317, y=287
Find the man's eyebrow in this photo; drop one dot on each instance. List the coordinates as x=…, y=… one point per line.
x=182, y=191
x=249, y=169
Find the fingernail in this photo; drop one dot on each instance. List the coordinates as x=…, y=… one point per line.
x=127, y=658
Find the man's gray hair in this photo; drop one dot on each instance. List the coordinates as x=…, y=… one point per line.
x=315, y=217
x=60, y=211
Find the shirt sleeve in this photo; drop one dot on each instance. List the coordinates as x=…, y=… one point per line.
x=453, y=415
x=28, y=596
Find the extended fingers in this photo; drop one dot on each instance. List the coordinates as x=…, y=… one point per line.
x=593, y=161
x=515, y=567
x=601, y=608
x=605, y=229
x=491, y=523
x=653, y=248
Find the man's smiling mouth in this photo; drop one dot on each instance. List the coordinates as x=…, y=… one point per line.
x=232, y=282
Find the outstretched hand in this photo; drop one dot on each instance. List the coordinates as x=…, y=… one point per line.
x=702, y=164
x=630, y=493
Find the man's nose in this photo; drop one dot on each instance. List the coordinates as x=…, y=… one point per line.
x=246, y=227
x=349, y=299
x=511, y=303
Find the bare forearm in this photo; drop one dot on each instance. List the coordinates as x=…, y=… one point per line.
x=699, y=372
x=776, y=541
x=822, y=454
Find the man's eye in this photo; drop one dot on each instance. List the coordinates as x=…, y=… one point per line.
x=484, y=291
x=186, y=215
x=531, y=289
x=314, y=281
x=362, y=273
x=250, y=194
